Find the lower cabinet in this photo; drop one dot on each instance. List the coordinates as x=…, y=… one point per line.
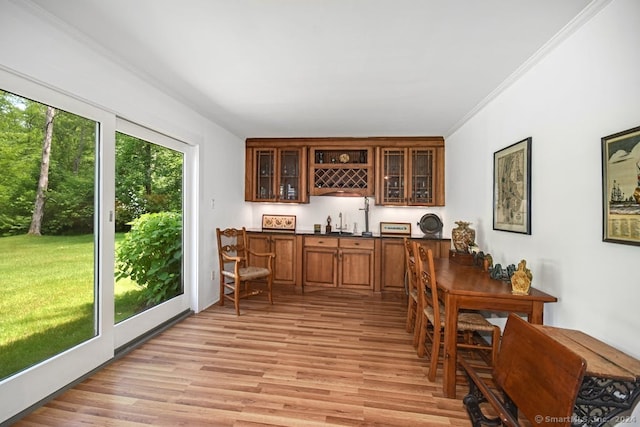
x=375, y=264
x=287, y=250
x=392, y=277
x=339, y=262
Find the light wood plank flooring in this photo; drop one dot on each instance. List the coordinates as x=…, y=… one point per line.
x=325, y=358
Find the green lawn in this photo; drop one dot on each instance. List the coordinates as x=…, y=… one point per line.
x=46, y=297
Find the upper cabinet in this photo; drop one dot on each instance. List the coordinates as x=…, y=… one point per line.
x=398, y=171
x=341, y=171
x=276, y=174
x=410, y=173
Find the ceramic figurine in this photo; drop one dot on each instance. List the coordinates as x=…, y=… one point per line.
x=521, y=279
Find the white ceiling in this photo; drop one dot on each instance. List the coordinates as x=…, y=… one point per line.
x=326, y=67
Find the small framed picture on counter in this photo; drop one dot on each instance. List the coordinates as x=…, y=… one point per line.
x=395, y=229
x=278, y=222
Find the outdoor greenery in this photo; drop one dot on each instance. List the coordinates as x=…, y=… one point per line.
x=148, y=176
x=46, y=297
x=48, y=179
x=151, y=255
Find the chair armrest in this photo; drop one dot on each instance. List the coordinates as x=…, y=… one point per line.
x=262, y=254
x=226, y=257
x=472, y=400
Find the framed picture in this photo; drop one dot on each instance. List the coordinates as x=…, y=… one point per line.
x=512, y=188
x=395, y=228
x=621, y=187
x=279, y=222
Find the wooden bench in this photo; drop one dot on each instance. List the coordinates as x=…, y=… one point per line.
x=534, y=374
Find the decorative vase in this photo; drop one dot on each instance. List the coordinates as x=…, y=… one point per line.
x=463, y=236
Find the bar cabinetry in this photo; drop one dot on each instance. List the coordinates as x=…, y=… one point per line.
x=339, y=262
x=287, y=249
x=276, y=174
x=410, y=173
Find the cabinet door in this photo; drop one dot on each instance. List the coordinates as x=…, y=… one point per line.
x=264, y=175
x=356, y=268
x=320, y=266
x=393, y=265
x=276, y=174
x=291, y=175
x=421, y=182
x=284, y=265
x=285, y=262
x=392, y=181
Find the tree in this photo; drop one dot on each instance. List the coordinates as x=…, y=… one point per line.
x=43, y=182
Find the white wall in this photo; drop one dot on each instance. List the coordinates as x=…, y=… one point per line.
x=586, y=88
x=46, y=51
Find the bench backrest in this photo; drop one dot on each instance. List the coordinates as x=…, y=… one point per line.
x=540, y=375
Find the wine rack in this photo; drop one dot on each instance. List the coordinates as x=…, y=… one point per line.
x=341, y=171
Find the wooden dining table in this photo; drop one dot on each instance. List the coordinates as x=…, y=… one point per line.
x=470, y=287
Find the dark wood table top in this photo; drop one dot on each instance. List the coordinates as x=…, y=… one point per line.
x=474, y=281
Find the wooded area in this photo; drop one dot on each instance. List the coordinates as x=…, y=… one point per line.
x=48, y=170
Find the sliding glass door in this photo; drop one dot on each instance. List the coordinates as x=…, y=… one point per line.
x=150, y=219
x=56, y=241
x=83, y=197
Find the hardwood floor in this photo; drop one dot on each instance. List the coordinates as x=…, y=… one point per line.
x=326, y=358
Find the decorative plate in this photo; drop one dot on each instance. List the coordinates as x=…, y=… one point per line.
x=430, y=224
x=344, y=158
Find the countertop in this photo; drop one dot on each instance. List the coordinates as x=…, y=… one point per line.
x=375, y=235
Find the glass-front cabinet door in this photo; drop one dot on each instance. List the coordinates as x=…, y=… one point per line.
x=277, y=175
x=264, y=173
x=392, y=180
x=409, y=176
x=421, y=178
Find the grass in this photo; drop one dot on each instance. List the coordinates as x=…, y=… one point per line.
x=47, y=297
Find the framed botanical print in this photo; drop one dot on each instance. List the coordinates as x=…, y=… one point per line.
x=512, y=188
x=621, y=187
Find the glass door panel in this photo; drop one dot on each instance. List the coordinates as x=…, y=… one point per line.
x=48, y=172
x=422, y=162
x=148, y=221
x=394, y=176
x=289, y=185
x=265, y=175
x=154, y=223
x=54, y=241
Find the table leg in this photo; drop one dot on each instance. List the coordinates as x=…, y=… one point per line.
x=537, y=308
x=450, y=348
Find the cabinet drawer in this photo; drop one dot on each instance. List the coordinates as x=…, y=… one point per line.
x=324, y=242
x=356, y=243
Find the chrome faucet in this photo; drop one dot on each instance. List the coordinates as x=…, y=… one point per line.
x=341, y=228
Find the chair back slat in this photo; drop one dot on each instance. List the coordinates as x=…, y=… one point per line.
x=427, y=285
x=410, y=264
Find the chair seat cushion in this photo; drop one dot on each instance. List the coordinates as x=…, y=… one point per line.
x=248, y=273
x=466, y=321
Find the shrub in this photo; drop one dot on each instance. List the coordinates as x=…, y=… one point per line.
x=151, y=255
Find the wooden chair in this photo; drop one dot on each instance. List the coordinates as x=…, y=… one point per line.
x=432, y=323
x=534, y=373
x=236, y=273
x=412, y=286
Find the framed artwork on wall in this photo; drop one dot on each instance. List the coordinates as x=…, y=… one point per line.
x=512, y=188
x=621, y=187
